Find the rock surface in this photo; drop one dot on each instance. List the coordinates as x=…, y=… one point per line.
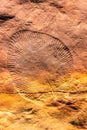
x=62, y=106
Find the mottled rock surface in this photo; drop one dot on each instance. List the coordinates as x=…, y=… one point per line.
x=60, y=104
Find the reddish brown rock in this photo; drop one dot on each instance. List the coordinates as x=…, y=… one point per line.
x=59, y=104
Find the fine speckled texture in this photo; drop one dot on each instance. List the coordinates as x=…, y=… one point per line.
x=43, y=65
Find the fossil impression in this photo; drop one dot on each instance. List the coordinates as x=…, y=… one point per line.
x=35, y=60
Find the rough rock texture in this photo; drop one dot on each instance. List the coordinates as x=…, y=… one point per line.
x=59, y=106
x=63, y=19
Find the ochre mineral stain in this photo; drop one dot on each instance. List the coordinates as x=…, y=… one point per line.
x=54, y=98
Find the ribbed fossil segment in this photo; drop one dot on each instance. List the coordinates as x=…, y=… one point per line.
x=35, y=59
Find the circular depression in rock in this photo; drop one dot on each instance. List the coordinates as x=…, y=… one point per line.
x=35, y=60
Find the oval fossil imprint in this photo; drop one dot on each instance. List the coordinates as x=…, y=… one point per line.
x=35, y=59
